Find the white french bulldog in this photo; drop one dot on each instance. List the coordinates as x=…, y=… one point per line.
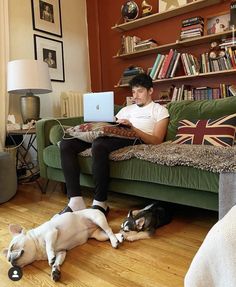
x=52, y=239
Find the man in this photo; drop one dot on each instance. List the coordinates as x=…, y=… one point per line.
x=149, y=120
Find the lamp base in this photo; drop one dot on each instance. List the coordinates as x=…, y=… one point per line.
x=30, y=107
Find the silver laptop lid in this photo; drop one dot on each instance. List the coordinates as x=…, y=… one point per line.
x=99, y=107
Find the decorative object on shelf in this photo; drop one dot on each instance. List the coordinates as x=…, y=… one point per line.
x=216, y=51
x=47, y=16
x=27, y=77
x=51, y=52
x=146, y=8
x=217, y=23
x=129, y=10
x=165, y=5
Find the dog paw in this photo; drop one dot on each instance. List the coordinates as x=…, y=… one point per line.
x=114, y=242
x=120, y=237
x=56, y=275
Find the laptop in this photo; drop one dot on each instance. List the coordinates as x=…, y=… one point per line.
x=99, y=107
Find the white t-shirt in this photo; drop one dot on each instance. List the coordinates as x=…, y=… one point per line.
x=144, y=118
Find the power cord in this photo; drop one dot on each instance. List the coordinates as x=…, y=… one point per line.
x=32, y=125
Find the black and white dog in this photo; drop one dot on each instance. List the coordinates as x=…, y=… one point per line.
x=52, y=239
x=142, y=224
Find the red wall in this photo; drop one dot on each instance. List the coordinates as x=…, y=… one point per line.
x=104, y=43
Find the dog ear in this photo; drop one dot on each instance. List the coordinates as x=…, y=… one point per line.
x=140, y=222
x=130, y=214
x=15, y=229
x=5, y=251
x=135, y=212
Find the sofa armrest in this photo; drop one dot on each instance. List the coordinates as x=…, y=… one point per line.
x=43, y=128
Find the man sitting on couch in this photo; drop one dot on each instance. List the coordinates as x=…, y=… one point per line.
x=149, y=120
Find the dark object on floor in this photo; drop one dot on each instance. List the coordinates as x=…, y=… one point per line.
x=145, y=221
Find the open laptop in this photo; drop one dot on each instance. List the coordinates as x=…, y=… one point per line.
x=99, y=107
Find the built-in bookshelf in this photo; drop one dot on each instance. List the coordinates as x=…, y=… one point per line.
x=178, y=44
x=164, y=15
x=184, y=78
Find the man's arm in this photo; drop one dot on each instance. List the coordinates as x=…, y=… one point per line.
x=158, y=134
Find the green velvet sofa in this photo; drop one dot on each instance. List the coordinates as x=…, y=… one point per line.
x=176, y=184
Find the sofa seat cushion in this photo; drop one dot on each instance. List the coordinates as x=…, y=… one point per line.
x=140, y=170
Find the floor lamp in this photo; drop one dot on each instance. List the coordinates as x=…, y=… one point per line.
x=27, y=77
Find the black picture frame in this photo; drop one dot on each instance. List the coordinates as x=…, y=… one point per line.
x=51, y=52
x=46, y=16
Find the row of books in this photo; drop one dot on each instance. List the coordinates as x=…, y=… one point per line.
x=186, y=92
x=226, y=62
x=132, y=44
x=165, y=65
x=192, y=27
x=190, y=64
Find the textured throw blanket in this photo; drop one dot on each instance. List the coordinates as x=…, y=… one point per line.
x=210, y=158
x=214, y=265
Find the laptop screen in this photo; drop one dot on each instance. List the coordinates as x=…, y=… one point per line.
x=99, y=107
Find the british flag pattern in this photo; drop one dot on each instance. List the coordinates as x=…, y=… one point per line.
x=217, y=132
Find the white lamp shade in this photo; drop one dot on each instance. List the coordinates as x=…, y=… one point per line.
x=28, y=75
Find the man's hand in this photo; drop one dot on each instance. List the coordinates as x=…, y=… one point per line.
x=125, y=122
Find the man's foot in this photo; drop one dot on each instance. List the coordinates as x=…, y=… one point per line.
x=104, y=211
x=66, y=209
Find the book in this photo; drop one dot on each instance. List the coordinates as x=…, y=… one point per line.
x=152, y=73
x=192, y=27
x=232, y=90
x=159, y=66
x=172, y=62
x=162, y=66
x=144, y=46
x=175, y=66
x=167, y=63
x=192, y=19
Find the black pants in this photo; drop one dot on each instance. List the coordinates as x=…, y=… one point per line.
x=101, y=148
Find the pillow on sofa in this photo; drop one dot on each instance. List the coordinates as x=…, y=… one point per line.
x=204, y=109
x=217, y=132
x=90, y=131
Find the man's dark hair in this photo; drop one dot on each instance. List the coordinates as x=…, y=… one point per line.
x=141, y=80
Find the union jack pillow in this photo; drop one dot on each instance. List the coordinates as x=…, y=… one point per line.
x=216, y=132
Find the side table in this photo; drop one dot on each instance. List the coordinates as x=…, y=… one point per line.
x=22, y=153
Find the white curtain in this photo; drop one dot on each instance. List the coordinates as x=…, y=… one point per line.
x=4, y=57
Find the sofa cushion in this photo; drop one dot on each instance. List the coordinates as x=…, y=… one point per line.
x=56, y=133
x=205, y=109
x=90, y=131
x=144, y=171
x=219, y=132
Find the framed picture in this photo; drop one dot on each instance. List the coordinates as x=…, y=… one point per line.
x=51, y=52
x=165, y=5
x=47, y=16
x=217, y=23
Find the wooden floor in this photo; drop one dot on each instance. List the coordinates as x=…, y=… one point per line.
x=158, y=262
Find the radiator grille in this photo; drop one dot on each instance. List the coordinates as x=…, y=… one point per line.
x=71, y=104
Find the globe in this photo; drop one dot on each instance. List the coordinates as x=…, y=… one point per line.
x=129, y=10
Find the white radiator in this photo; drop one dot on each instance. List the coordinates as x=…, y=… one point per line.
x=71, y=104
